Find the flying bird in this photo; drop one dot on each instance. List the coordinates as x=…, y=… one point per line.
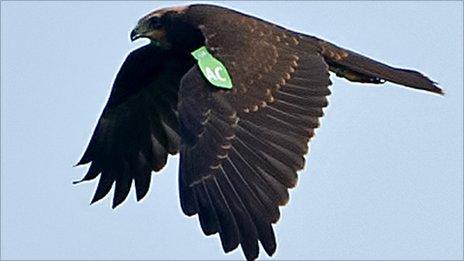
x=240, y=147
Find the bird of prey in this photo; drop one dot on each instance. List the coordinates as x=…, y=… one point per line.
x=240, y=145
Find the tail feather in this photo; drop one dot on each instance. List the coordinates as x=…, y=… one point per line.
x=358, y=68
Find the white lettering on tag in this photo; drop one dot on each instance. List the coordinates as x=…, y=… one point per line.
x=210, y=74
x=214, y=75
x=218, y=75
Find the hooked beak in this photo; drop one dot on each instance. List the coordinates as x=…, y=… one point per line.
x=134, y=35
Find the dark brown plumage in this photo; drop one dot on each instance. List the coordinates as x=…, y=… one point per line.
x=240, y=149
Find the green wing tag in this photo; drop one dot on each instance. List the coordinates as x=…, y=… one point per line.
x=212, y=68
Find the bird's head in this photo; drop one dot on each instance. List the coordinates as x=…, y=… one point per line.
x=167, y=27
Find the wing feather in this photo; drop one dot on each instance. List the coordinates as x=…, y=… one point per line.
x=138, y=127
x=252, y=153
x=250, y=140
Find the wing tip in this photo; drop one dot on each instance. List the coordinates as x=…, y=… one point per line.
x=115, y=204
x=118, y=199
x=80, y=163
x=94, y=200
x=140, y=195
x=76, y=182
x=270, y=250
x=438, y=90
x=434, y=87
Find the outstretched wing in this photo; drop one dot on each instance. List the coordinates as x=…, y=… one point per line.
x=241, y=148
x=138, y=126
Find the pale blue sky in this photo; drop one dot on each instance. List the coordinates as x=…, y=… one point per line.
x=384, y=178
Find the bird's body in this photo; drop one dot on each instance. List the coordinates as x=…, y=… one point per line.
x=240, y=149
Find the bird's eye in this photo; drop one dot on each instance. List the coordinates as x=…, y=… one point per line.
x=155, y=22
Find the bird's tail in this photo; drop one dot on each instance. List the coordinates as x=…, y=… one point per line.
x=358, y=68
